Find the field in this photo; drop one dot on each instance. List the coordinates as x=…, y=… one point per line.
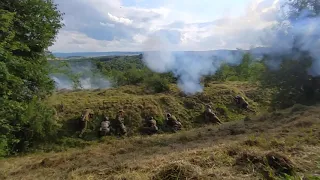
x=266, y=145
x=262, y=147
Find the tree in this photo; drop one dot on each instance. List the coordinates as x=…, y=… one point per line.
x=27, y=29
x=298, y=7
x=292, y=79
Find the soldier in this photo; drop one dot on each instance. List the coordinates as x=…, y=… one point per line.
x=173, y=123
x=119, y=124
x=210, y=116
x=150, y=127
x=105, y=127
x=86, y=115
x=241, y=102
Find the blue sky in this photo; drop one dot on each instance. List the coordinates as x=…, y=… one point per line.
x=135, y=25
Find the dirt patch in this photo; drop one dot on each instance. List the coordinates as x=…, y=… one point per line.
x=46, y=162
x=251, y=142
x=203, y=162
x=179, y=170
x=246, y=157
x=237, y=131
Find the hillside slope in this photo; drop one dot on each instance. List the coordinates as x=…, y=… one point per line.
x=138, y=103
x=261, y=147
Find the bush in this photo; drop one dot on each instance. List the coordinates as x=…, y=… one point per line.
x=157, y=84
x=35, y=124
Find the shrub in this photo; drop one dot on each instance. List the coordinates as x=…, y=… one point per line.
x=157, y=84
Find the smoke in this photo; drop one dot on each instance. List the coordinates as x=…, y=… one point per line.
x=62, y=81
x=277, y=32
x=83, y=73
x=189, y=67
x=294, y=35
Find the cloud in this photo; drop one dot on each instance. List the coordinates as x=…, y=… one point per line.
x=100, y=25
x=74, y=41
x=120, y=20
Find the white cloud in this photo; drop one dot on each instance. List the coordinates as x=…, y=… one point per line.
x=73, y=41
x=121, y=20
x=109, y=26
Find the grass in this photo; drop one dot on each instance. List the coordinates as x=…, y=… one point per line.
x=279, y=145
x=138, y=104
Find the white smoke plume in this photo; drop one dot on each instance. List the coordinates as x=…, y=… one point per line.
x=89, y=77
x=189, y=67
x=268, y=28
x=302, y=32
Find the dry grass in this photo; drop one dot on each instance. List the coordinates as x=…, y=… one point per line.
x=138, y=104
x=264, y=147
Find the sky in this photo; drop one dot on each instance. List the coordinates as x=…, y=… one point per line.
x=138, y=25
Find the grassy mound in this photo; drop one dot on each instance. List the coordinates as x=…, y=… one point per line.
x=138, y=104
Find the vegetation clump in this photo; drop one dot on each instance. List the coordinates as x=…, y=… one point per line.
x=179, y=170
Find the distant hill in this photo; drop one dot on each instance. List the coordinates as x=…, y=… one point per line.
x=92, y=54
x=218, y=53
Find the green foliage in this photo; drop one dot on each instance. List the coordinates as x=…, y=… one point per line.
x=130, y=71
x=157, y=84
x=292, y=82
x=28, y=28
x=248, y=69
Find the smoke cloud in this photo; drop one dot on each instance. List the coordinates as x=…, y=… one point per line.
x=294, y=35
x=189, y=67
x=280, y=35
x=88, y=77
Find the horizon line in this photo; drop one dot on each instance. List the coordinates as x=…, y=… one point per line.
x=238, y=49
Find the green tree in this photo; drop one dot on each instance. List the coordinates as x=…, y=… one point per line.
x=291, y=80
x=27, y=29
x=157, y=84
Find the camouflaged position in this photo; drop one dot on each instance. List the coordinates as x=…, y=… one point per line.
x=173, y=123
x=86, y=115
x=105, y=127
x=240, y=101
x=210, y=116
x=150, y=126
x=120, y=128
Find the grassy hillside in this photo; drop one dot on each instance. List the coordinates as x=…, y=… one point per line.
x=138, y=103
x=266, y=146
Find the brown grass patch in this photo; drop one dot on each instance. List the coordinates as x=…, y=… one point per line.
x=179, y=170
